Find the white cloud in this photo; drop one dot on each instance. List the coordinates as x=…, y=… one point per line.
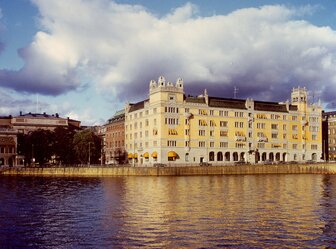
x=120, y=48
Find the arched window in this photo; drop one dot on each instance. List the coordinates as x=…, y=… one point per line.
x=212, y=156
x=242, y=156
x=227, y=156
x=284, y=157
x=235, y=156
x=220, y=156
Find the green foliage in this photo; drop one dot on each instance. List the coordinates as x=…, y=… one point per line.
x=61, y=146
x=37, y=145
x=87, y=147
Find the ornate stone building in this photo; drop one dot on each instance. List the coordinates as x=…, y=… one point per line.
x=171, y=128
x=10, y=126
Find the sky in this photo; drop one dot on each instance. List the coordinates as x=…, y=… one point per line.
x=85, y=59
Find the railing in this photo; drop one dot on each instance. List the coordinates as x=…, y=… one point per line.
x=240, y=138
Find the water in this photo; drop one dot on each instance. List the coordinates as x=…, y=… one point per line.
x=257, y=211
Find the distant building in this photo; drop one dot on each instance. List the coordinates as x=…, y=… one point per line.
x=114, y=148
x=329, y=136
x=24, y=123
x=11, y=126
x=173, y=128
x=8, y=147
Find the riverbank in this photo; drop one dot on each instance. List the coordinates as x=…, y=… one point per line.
x=316, y=168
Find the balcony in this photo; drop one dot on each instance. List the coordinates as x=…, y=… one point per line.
x=240, y=138
x=262, y=139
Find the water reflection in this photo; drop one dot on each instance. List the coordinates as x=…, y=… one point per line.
x=262, y=211
x=328, y=204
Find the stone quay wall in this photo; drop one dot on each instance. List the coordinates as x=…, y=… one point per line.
x=98, y=171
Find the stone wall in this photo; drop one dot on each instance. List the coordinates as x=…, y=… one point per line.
x=322, y=168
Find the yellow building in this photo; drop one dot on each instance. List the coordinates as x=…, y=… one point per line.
x=171, y=128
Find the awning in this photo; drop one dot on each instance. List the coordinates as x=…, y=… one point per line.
x=154, y=154
x=146, y=155
x=130, y=155
x=135, y=155
x=172, y=154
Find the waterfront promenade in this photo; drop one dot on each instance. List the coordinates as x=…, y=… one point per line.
x=98, y=171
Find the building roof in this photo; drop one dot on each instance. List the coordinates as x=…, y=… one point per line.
x=227, y=103
x=38, y=115
x=269, y=106
x=198, y=100
x=328, y=114
x=118, y=116
x=137, y=106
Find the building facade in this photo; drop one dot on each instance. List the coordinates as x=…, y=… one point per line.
x=171, y=128
x=8, y=147
x=329, y=136
x=11, y=126
x=25, y=123
x=114, y=144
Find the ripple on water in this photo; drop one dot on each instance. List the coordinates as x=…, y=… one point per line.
x=265, y=211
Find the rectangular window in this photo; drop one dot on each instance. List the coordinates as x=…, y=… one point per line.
x=202, y=112
x=201, y=132
x=239, y=114
x=202, y=122
x=212, y=144
x=261, y=125
x=201, y=144
x=223, y=133
x=239, y=124
x=274, y=135
x=261, y=145
x=223, y=144
x=274, y=126
x=314, y=146
x=171, y=143
x=224, y=113
x=223, y=123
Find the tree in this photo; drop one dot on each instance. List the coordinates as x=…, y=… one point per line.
x=63, y=147
x=87, y=146
x=36, y=145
